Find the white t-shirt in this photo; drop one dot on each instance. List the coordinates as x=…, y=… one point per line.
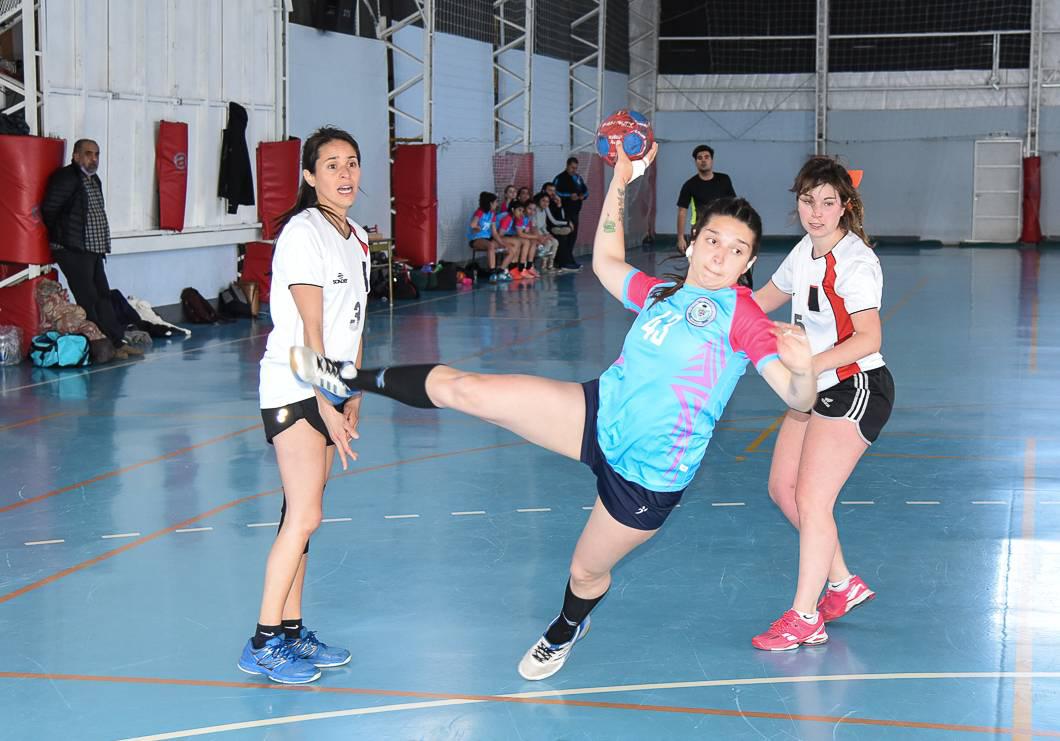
x=311, y=251
x=826, y=290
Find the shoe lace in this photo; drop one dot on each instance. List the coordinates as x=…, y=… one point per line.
x=276, y=656
x=784, y=624
x=309, y=642
x=544, y=652
x=330, y=367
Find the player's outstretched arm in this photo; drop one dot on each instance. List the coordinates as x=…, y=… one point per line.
x=609, y=246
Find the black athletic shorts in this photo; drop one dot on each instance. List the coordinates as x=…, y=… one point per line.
x=279, y=419
x=629, y=503
x=865, y=399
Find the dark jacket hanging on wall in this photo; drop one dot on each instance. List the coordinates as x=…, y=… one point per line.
x=236, y=183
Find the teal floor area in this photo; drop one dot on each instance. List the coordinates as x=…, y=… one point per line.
x=138, y=502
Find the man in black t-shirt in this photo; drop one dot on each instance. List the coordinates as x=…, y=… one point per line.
x=699, y=190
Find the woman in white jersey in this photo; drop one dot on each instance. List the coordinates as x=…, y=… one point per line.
x=834, y=282
x=319, y=291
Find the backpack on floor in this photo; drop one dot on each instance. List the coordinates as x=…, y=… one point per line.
x=233, y=301
x=197, y=310
x=54, y=350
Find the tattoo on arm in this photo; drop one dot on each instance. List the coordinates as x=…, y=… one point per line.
x=621, y=203
x=609, y=225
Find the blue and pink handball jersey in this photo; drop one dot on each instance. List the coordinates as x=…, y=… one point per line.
x=679, y=365
x=483, y=220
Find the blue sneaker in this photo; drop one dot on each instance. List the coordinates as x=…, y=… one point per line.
x=276, y=661
x=308, y=647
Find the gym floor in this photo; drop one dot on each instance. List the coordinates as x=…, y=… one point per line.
x=140, y=500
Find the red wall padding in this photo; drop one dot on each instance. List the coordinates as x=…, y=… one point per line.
x=25, y=164
x=171, y=166
x=1032, y=200
x=18, y=306
x=256, y=265
x=414, y=180
x=278, y=178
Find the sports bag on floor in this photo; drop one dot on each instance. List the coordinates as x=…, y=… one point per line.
x=54, y=350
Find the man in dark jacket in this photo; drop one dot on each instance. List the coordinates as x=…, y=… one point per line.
x=79, y=233
x=572, y=191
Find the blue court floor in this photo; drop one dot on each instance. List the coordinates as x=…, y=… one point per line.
x=138, y=502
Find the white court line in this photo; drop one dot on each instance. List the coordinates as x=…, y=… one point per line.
x=1049, y=502
x=290, y=719
x=469, y=512
x=263, y=524
x=193, y=530
x=121, y=535
x=398, y=517
x=591, y=507
x=989, y=501
x=858, y=501
x=43, y=542
x=535, y=509
x=727, y=504
x=337, y=519
x=922, y=502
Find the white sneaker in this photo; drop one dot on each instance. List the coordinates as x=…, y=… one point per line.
x=545, y=659
x=328, y=375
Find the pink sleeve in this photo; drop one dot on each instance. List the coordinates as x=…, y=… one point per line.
x=752, y=331
x=635, y=292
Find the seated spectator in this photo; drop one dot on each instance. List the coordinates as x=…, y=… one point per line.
x=509, y=198
x=514, y=234
x=547, y=244
x=523, y=196
x=482, y=236
x=560, y=228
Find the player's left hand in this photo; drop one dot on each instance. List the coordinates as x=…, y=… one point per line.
x=794, y=348
x=351, y=414
x=627, y=170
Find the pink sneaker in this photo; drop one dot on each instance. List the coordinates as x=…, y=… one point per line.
x=791, y=631
x=838, y=602
x=532, y=272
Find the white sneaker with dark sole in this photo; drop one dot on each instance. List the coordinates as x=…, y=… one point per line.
x=545, y=659
x=328, y=375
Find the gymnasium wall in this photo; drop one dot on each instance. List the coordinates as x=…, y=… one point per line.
x=463, y=122
x=918, y=163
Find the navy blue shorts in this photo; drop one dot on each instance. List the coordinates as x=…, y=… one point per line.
x=629, y=503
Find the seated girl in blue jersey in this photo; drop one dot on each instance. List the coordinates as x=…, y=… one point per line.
x=482, y=236
x=644, y=425
x=514, y=230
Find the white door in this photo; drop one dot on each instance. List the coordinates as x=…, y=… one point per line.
x=998, y=190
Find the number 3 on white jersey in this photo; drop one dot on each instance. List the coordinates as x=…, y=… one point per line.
x=656, y=328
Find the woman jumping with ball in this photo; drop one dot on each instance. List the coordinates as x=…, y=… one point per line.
x=644, y=425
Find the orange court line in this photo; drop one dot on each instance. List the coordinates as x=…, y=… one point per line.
x=34, y=420
x=846, y=719
x=126, y=469
x=221, y=508
x=753, y=447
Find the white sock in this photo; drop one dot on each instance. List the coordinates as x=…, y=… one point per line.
x=810, y=617
x=839, y=586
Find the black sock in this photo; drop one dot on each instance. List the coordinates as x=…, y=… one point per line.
x=264, y=633
x=575, y=610
x=404, y=383
x=292, y=628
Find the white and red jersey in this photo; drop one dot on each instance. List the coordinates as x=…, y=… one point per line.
x=825, y=291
